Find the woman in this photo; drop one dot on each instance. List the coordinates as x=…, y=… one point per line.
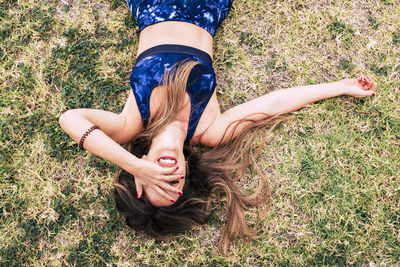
x=166, y=183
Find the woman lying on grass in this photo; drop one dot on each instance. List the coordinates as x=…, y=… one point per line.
x=167, y=181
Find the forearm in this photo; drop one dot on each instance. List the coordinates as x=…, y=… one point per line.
x=97, y=142
x=283, y=101
x=288, y=100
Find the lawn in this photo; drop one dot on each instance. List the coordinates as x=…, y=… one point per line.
x=333, y=167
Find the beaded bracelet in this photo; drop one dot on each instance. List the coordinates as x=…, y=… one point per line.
x=91, y=129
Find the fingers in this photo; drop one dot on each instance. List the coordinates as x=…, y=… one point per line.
x=169, y=170
x=367, y=85
x=170, y=188
x=169, y=178
x=363, y=82
x=139, y=190
x=164, y=194
x=369, y=93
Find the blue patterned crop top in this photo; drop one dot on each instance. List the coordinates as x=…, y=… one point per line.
x=149, y=71
x=207, y=14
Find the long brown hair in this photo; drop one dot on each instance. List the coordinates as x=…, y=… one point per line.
x=212, y=172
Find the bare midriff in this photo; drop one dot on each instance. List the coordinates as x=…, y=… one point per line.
x=175, y=32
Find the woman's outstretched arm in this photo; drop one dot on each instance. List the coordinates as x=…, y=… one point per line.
x=288, y=100
x=117, y=128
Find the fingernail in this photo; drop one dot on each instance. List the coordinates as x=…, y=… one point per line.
x=177, y=168
x=137, y=196
x=373, y=94
x=180, y=193
x=182, y=177
x=173, y=201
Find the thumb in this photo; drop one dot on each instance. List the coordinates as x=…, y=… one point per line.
x=369, y=93
x=139, y=190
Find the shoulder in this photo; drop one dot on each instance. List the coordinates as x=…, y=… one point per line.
x=211, y=125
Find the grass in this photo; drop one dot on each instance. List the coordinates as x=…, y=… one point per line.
x=333, y=167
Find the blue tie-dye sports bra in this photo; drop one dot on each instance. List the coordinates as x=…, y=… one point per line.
x=207, y=14
x=149, y=70
x=152, y=63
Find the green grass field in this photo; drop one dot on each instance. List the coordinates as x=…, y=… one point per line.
x=334, y=167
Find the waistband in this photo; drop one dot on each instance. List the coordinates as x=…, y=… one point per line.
x=176, y=49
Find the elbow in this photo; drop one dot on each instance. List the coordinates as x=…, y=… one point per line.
x=65, y=118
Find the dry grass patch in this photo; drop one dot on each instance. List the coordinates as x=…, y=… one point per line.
x=333, y=168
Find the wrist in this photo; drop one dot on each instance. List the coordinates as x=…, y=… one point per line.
x=131, y=163
x=342, y=88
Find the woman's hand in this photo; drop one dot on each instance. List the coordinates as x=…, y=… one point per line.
x=360, y=87
x=151, y=174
